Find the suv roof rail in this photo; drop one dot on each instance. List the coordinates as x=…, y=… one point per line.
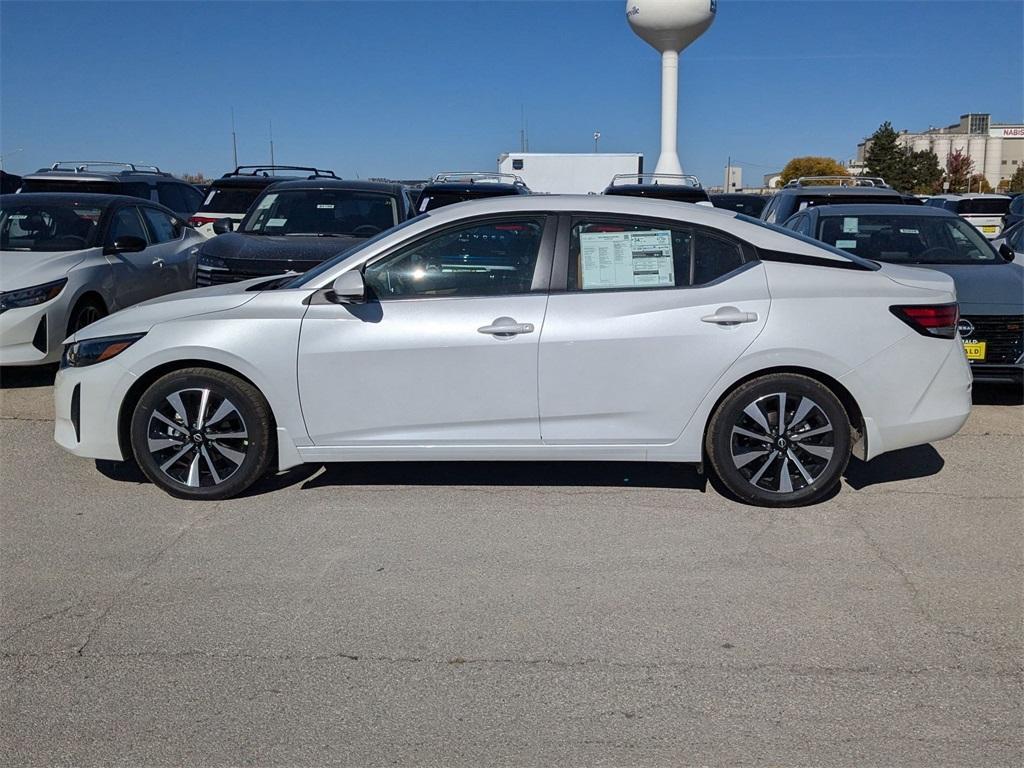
x=842, y=181
x=685, y=179
x=80, y=166
x=472, y=177
x=242, y=170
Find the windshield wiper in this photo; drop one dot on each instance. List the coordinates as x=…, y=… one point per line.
x=315, y=234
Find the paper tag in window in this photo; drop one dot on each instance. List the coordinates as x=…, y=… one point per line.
x=846, y=243
x=626, y=259
x=276, y=222
x=849, y=226
x=910, y=232
x=327, y=206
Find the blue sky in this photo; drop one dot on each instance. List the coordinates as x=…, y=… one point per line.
x=403, y=89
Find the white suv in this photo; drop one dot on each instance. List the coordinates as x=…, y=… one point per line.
x=985, y=212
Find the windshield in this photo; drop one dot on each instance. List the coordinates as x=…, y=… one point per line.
x=323, y=212
x=133, y=189
x=48, y=226
x=908, y=239
x=432, y=200
x=306, y=277
x=752, y=205
x=230, y=199
x=865, y=263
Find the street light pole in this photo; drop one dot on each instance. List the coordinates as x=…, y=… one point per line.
x=597, y=135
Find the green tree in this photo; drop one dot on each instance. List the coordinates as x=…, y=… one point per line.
x=925, y=172
x=811, y=166
x=887, y=158
x=1017, y=180
x=958, y=171
x=979, y=183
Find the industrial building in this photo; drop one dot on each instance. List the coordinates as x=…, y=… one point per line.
x=997, y=149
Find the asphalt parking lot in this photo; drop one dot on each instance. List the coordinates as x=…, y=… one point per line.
x=482, y=614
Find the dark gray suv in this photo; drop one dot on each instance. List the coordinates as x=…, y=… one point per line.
x=809, y=191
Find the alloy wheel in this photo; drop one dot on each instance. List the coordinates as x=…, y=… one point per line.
x=197, y=437
x=782, y=443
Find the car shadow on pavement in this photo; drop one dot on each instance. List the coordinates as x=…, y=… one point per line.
x=510, y=473
x=27, y=377
x=906, y=464
x=997, y=394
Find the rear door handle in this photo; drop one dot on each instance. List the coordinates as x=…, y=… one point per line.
x=506, y=328
x=730, y=316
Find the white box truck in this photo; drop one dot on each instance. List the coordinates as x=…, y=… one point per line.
x=568, y=174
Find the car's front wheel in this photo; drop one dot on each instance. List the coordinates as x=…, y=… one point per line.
x=201, y=433
x=781, y=440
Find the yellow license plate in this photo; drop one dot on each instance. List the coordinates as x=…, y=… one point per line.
x=990, y=230
x=975, y=350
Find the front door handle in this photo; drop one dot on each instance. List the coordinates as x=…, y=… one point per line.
x=158, y=263
x=730, y=316
x=506, y=328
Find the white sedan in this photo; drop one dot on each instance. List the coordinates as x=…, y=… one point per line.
x=68, y=259
x=533, y=328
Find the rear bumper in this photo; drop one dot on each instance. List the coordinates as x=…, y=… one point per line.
x=901, y=416
x=1006, y=374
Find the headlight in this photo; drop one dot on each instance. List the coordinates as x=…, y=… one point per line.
x=91, y=351
x=29, y=297
x=210, y=262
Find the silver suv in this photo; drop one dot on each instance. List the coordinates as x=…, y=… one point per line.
x=145, y=181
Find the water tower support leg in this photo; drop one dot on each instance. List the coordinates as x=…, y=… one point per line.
x=668, y=161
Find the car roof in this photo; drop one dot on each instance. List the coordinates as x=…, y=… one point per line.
x=388, y=187
x=838, y=189
x=879, y=209
x=971, y=196
x=88, y=198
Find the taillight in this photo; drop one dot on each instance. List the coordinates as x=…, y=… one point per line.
x=938, y=320
x=198, y=221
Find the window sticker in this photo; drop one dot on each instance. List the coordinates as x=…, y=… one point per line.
x=276, y=222
x=325, y=206
x=910, y=231
x=849, y=225
x=626, y=259
x=846, y=243
x=209, y=197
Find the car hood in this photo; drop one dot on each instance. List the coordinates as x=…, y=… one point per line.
x=986, y=289
x=140, y=318
x=23, y=269
x=236, y=245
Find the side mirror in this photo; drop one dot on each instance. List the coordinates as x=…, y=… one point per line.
x=223, y=226
x=349, y=288
x=1006, y=251
x=128, y=244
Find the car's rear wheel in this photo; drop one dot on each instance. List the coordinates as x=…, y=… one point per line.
x=781, y=440
x=201, y=433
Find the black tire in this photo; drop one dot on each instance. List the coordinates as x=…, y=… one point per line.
x=86, y=312
x=231, y=452
x=759, y=464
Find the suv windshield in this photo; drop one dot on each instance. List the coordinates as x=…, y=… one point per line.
x=811, y=200
x=230, y=199
x=431, y=200
x=908, y=239
x=323, y=212
x=48, y=226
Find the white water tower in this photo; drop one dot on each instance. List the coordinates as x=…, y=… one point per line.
x=669, y=26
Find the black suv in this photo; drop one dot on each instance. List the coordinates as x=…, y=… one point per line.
x=808, y=191
x=145, y=181
x=230, y=196
x=663, y=186
x=458, y=187
x=743, y=202
x=295, y=225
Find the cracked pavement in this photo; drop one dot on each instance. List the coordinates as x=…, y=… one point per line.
x=484, y=614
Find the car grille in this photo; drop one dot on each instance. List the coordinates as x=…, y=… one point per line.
x=245, y=270
x=1003, y=336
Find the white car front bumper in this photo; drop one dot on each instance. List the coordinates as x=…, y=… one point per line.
x=87, y=404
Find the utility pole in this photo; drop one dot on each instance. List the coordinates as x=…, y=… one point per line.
x=271, y=124
x=728, y=174
x=234, y=140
